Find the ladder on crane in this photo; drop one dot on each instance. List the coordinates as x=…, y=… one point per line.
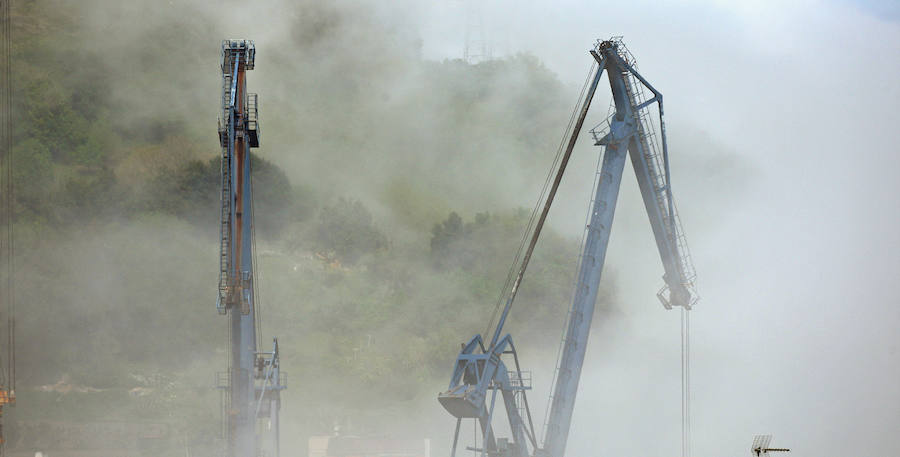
x=253, y=384
x=225, y=213
x=657, y=170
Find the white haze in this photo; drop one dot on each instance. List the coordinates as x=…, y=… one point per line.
x=796, y=334
x=794, y=229
x=792, y=216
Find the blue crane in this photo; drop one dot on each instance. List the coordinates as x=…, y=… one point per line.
x=254, y=380
x=480, y=370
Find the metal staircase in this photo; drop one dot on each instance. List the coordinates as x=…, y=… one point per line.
x=225, y=123
x=647, y=140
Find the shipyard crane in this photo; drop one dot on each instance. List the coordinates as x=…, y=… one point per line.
x=484, y=369
x=253, y=383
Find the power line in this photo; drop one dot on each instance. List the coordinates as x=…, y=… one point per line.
x=685, y=383
x=11, y=264
x=7, y=391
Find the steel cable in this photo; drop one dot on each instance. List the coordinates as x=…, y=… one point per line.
x=511, y=275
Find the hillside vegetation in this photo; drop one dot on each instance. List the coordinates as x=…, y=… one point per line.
x=387, y=189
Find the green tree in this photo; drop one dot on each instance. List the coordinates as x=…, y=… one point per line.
x=32, y=175
x=346, y=229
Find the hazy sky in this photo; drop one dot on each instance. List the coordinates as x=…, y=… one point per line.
x=797, y=331
x=783, y=136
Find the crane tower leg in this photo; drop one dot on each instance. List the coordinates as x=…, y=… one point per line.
x=593, y=256
x=250, y=381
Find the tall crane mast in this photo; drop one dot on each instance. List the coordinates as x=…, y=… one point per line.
x=479, y=368
x=253, y=381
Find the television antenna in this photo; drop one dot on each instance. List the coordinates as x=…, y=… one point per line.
x=761, y=446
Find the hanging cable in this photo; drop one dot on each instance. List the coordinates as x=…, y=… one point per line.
x=11, y=196
x=685, y=383
x=475, y=438
x=4, y=163
x=7, y=389
x=8, y=201
x=509, y=287
x=257, y=311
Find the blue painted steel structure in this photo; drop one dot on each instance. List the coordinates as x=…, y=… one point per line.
x=254, y=381
x=479, y=371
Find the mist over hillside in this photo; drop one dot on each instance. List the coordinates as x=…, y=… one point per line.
x=389, y=191
x=392, y=186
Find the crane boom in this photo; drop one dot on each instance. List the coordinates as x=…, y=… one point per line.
x=253, y=382
x=626, y=135
x=475, y=373
x=629, y=131
x=592, y=260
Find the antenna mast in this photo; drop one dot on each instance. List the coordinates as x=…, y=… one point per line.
x=761, y=447
x=477, y=48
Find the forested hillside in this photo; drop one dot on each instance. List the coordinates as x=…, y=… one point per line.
x=388, y=210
